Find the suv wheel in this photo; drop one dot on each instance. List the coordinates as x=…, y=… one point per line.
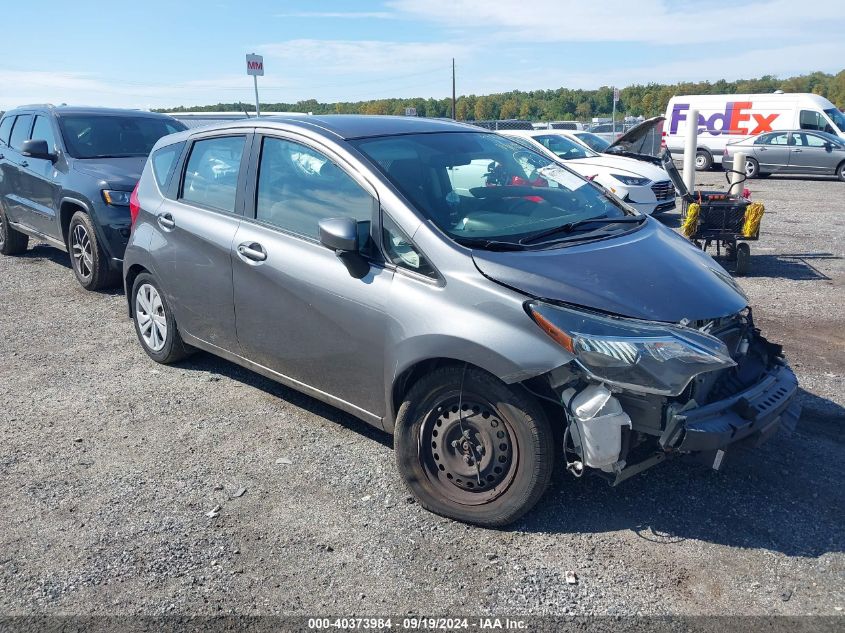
x=12, y=242
x=89, y=262
x=154, y=323
x=471, y=448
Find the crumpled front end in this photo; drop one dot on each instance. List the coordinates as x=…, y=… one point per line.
x=628, y=403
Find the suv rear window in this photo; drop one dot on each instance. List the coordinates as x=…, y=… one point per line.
x=5, y=128
x=20, y=132
x=113, y=136
x=163, y=161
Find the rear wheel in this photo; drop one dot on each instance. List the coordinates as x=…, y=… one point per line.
x=12, y=242
x=471, y=448
x=752, y=168
x=154, y=322
x=89, y=261
x=703, y=160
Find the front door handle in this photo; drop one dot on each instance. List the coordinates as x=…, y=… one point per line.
x=252, y=251
x=796, y=150
x=166, y=221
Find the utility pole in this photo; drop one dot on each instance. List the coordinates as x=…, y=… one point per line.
x=454, y=110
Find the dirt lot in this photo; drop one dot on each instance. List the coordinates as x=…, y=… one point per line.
x=109, y=464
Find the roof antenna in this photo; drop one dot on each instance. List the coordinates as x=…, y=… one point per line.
x=240, y=103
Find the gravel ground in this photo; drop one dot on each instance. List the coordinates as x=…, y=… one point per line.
x=110, y=464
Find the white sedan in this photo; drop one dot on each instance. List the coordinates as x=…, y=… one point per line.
x=642, y=185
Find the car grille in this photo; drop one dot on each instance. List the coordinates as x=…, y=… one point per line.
x=663, y=189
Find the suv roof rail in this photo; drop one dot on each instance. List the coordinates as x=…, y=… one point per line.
x=35, y=105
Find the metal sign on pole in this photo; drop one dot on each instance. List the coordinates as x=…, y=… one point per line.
x=255, y=67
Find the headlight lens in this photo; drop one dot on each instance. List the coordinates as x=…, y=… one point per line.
x=116, y=198
x=637, y=355
x=631, y=181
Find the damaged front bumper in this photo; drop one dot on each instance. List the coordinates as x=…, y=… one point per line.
x=755, y=412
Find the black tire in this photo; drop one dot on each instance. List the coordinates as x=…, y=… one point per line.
x=507, y=431
x=752, y=168
x=12, y=242
x=840, y=171
x=173, y=348
x=764, y=174
x=743, y=258
x=87, y=258
x=703, y=160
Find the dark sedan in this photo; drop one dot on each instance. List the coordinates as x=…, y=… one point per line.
x=790, y=152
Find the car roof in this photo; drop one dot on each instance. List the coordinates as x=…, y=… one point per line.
x=351, y=126
x=66, y=109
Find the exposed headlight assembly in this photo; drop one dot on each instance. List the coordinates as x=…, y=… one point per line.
x=637, y=355
x=631, y=181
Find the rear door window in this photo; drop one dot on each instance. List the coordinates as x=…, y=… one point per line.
x=20, y=132
x=211, y=175
x=5, y=128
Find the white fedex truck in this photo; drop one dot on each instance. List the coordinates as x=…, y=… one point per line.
x=723, y=119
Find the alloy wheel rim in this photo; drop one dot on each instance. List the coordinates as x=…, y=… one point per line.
x=2, y=229
x=82, y=251
x=151, y=318
x=468, y=450
x=749, y=168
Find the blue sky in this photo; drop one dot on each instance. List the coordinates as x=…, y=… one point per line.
x=185, y=52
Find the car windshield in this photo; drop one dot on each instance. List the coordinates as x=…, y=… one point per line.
x=563, y=147
x=488, y=191
x=837, y=117
x=111, y=136
x=596, y=143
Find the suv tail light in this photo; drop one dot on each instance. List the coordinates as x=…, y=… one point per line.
x=134, y=205
x=663, y=139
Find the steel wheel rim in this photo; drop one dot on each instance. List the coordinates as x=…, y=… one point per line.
x=486, y=450
x=81, y=249
x=699, y=161
x=150, y=317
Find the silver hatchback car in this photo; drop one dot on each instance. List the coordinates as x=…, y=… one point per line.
x=494, y=311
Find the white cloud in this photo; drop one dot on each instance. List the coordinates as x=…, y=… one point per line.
x=652, y=21
x=345, y=15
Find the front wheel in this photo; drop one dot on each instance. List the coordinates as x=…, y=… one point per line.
x=471, y=448
x=88, y=259
x=840, y=171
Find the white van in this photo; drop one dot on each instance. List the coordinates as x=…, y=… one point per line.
x=723, y=119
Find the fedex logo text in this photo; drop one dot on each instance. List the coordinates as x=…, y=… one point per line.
x=736, y=119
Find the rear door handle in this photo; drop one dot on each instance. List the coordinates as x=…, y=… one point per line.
x=166, y=221
x=24, y=163
x=252, y=251
x=796, y=150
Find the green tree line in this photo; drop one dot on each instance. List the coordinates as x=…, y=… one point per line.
x=558, y=104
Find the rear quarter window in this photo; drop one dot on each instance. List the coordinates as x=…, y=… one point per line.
x=163, y=161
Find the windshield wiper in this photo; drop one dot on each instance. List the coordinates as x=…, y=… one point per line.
x=489, y=245
x=571, y=226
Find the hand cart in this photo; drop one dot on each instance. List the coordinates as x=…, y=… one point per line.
x=721, y=218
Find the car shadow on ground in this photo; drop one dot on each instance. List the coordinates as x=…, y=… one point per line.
x=768, y=497
x=796, y=266
x=204, y=362
x=45, y=252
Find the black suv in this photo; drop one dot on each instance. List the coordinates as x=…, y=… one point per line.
x=66, y=177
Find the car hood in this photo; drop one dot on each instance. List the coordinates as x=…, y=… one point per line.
x=616, y=164
x=114, y=172
x=651, y=273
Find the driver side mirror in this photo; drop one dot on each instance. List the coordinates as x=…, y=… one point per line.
x=828, y=146
x=341, y=236
x=36, y=148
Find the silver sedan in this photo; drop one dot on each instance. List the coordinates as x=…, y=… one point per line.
x=790, y=152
